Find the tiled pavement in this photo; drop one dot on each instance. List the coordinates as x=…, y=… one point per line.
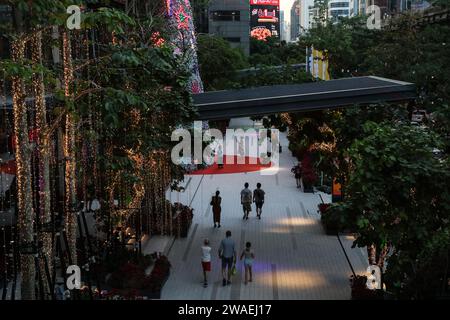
x=294, y=257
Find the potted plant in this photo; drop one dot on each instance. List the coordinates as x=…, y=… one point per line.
x=130, y=282
x=330, y=219
x=183, y=216
x=154, y=283
x=309, y=176
x=323, y=207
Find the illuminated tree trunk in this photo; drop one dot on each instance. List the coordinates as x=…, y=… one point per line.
x=69, y=152
x=44, y=158
x=24, y=191
x=179, y=14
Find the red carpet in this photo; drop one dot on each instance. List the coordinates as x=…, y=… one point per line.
x=233, y=167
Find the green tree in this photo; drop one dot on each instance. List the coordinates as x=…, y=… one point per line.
x=274, y=53
x=218, y=62
x=397, y=198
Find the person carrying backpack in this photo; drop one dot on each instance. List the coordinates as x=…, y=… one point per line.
x=258, y=199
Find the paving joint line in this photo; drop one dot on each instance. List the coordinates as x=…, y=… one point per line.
x=189, y=245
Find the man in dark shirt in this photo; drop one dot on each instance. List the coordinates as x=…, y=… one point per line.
x=258, y=198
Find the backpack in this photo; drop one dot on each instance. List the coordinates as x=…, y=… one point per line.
x=259, y=195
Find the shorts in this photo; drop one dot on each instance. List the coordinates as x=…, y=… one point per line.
x=247, y=206
x=248, y=262
x=259, y=205
x=227, y=262
x=206, y=266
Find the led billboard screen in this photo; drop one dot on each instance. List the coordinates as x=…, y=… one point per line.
x=264, y=19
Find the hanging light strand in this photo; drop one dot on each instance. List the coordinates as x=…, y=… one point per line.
x=69, y=151
x=24, y=188
x=43, y=154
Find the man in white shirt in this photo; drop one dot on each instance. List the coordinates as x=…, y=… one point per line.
x=206, y=260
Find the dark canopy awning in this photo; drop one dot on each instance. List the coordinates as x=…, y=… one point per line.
x=301, y=97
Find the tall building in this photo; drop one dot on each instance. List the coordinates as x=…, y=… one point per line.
x=288, y=31
x=390, y=7
x=340, y=8
x=295, y=20
x=282, y=26
x=230, y=19
x=302, y=17
x=306, y=15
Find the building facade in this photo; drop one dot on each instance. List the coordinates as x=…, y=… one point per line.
x=230, y=19
x=340, y=8
x=307, y=12
x=390, y=7
x=295, y=20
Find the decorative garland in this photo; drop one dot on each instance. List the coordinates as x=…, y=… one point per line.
x=179, y=14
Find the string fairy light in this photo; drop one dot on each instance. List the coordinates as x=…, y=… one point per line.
x=69, y=152
x=23, y=171
x=43, y=154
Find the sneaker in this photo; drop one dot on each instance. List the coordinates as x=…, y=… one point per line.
x=224, y=282
x=243, y=218
x=228, y=282
x=218, y=226
x=205, y=284
x=246, y=218
x=259, y=217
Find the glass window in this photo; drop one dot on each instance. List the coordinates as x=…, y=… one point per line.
x=335, y=13
x=226, y=15
x=339, y=5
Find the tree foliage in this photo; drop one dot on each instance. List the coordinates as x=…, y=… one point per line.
x=394, y=185
x=218, y=61
x=397, y=195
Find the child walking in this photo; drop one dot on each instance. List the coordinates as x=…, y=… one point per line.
x=248, y=256
x=206, y=261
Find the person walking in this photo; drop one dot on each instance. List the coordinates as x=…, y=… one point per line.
x=248, y=257
x=246, y=201
x=216, y=208
x=258, y=199
x=206, y=261
x=298, y=174
x=227, y=254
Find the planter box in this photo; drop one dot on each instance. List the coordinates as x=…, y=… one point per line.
x=155, y=294
x=367, y=294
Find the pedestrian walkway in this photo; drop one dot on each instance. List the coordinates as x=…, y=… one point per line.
x=294, y=257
